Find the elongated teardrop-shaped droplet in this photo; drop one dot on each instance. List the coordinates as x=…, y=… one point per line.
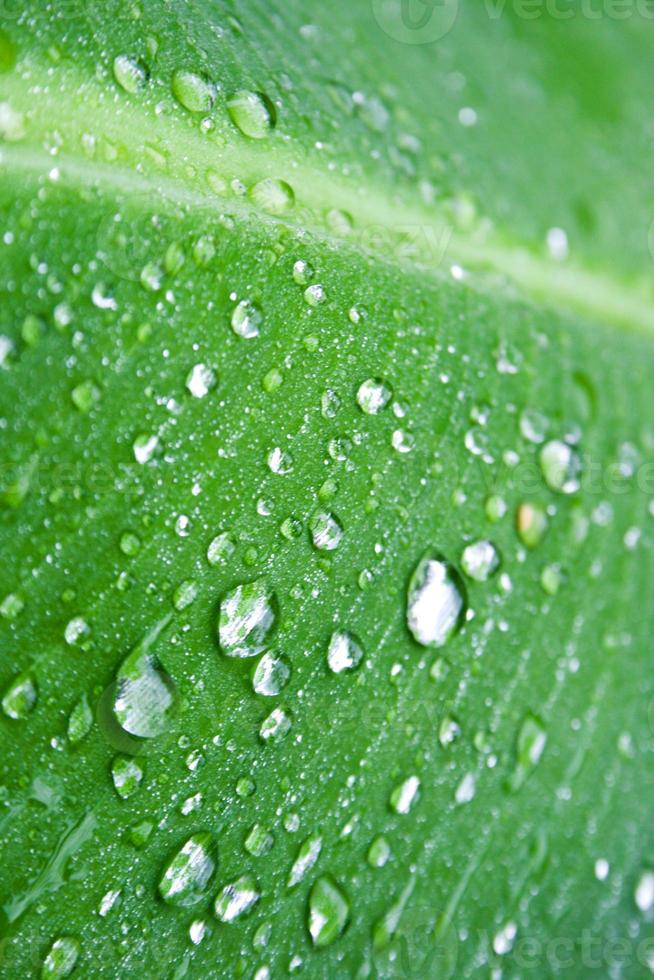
x=20, y=698
x=186, y=877
x=329, y=912
x=61, y=959
x=247, y=617
x=236, y=899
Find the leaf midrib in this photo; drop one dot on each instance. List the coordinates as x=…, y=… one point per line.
x=404, y=227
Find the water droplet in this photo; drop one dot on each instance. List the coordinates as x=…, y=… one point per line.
x=465, y=791
x=330, y=403
x=140, y=833
x=144, y=447
x=245, y=787
x=530, y=746
x=259, y=841
x=252, y=112
x=326, y=531
x=187, y=875
x=533, y=426
x=193, y=92
x=11, y=606
x=127, y=775
x=644, y=894
x=236, y=899
x=61, y=959
x=130, y=73
x=303, y=272
x=85, y=395
x=307, y=856
x=275, y=727
x=437, y=602
x=200, y=380
x=480, y=560
x=477, y=441
x=531, y=523
x=246, y=319
x=373, y=396
x=504, y=939
x=314, y=295
x=405, y=795
x=129, y=544
x=496, y=508
x=402, y=442
x=247, y=618
x=185, y=594
x=20, y=697
x=329, y=912
x=344, y=653
x=77, y=630
x=561, y=467
x=271, y=675
x=280, y=461
x=551, y=579
x=220, y=549
x=379, y=852
x=601, y=869
x=80, y=721
x=273, y=195
x=448, y=731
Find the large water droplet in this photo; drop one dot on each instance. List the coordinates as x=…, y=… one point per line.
x=259, y=841
x=373, y=396
x=246, y=319
x=130, y=73
x=273, y=195
x=200, y=380
x=280, y=461
x=252, y=112
x=236, y=899
x=271, y=675
x=561, y=467
x=187, y=875
x=480, y=560
x=405, y=795
x=144, y=698
x=247, y=618
x=276, y=726
x=344, y=653
x=329, y=912
x=437, y=602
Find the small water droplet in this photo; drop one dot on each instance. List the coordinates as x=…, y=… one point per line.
x=561, y=467
x=84, y=396
x=303, y=272
x=200, y=380
x=329, y=912
x=130, y=73
x=61, y=959
x=307, y=856
x=531, y=524
x=193, y=92
x=248, y=614
x=20, y=697
x=221, y=549
x=533, y=426
x=275, y=727
x=530, y=746
x=404, y=796
x=129, y=544
x=251, y=112
x=280, y=461
x=314, y=295
x=271, y=675
x=373, y=396
x=77, y=630
x=187, y=875
x=345, y=652
x=246, y=319
x=185, y=594
x=127, y=775
x=379, y=852
x=326, y=531
x=496, y=508
x=144, y=447
x=480, y=560
x=80, y=721
x=236, y=899
x=273, y=195
x=402, y=442
x=437, y=602
x=330, y=404
x=644, y=894
x=259, y=841
x=448, y=731
x=504, y=939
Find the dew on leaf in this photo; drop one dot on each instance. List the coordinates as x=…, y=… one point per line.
x=61, y=959
x=248, y=614
x=193, y=92
x=140, y=833
x=330, y=403
x=480, y=560
x=236, y=899
x=448, y=731
x=127, y=775
x=220, y=549
x=85, y=395
x=405, y=795
x=326, y=531
x=20, y=698
x=329, y=912
x=144, y=697
x=402, y=442
x=245, y=787
x=130, y=73
x=259, y=841
x=307, y=856
x=533, y=426
x=187, y=875
x=644, y=893
x=129, y=544
x=246, y=319
x=504, y=939
x=379, y=852
x=436, y=602
x=80, y=721
x=273, y=195
x=495, y=508
x=561, y=467
x=373, y=396
x=271, y=675
x=530, y=746
x=280, y=461
x=465, y=791
x=144, y=447
x=77, y=630
x=344, y=653
x=200, y=380
x=185, y=594
x=531, y=524
x=275, y=727
x=551, y=578
x=303, y=272
x=251, y=112
x=11, y=606
x=314, y=295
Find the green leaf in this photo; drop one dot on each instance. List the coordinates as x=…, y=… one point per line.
x=326, y=500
